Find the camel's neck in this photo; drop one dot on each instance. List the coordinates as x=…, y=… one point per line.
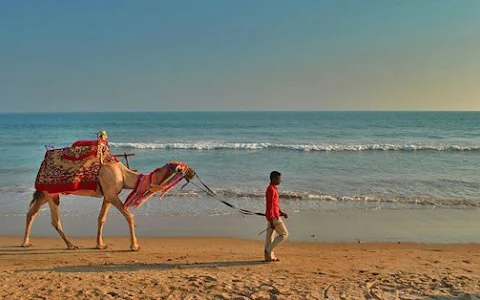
x=129, y=178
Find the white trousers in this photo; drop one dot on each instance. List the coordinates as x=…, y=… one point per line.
x=270, y=241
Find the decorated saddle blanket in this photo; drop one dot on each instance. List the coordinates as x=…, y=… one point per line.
x=70, y=169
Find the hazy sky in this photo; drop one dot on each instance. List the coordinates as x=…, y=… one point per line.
x=239, y=55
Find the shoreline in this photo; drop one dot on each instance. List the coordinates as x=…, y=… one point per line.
x=441, y=226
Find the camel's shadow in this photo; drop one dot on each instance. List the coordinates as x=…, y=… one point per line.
x=114, y=267
x=16, y=250
x=141, y=267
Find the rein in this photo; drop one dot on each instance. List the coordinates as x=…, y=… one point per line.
x=212, y=194
x=147, y=186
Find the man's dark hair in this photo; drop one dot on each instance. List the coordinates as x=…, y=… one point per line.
x=274, y=175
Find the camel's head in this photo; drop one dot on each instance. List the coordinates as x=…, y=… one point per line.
x=189, y=173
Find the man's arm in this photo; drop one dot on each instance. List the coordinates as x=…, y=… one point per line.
x=269, y=196
x=269, y=211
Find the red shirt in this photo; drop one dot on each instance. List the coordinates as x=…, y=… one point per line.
x=272, y=210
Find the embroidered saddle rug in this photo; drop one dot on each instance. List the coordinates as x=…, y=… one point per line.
x=70, y=169
x=147, y=186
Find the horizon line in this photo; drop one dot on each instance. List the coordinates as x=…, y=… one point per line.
x=226, y=111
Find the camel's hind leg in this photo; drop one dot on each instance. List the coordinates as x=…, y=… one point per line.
x=54, y=203
x=39, y=199
x=102, y=217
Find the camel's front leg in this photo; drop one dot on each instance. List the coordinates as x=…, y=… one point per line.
x=54, y=204
x=102, y=217
x=131, y=222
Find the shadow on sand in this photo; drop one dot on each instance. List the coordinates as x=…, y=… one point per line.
x=140, y=266
x=16, y=250
x=114, y=267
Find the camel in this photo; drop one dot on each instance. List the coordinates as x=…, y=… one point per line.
x=112, y=179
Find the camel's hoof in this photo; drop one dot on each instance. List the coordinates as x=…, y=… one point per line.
x=135, y=248
x=26, y=245
x=72, y=247
x=102, y=247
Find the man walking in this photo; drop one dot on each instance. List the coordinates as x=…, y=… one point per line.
x=273, y=214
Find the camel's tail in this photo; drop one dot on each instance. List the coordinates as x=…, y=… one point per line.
x=36, y=195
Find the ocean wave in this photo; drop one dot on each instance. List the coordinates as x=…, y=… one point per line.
x=239, y=194
x=17, y=189
x=301, y=196
x=296, y=147
x=15, y=171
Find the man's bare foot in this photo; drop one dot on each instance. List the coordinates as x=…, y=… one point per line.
x=269, y=258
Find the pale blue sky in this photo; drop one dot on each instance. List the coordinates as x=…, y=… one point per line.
x=239, y=55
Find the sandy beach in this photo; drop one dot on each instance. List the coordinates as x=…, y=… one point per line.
x=223, y=268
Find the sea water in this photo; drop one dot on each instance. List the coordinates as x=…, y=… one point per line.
x=330, y=161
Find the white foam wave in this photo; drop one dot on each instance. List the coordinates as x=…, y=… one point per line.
x=299, y=196
x=17, y=189
x=296, y=147
x=15, y=193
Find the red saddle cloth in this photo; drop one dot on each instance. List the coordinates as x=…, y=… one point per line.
x=74, y=168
